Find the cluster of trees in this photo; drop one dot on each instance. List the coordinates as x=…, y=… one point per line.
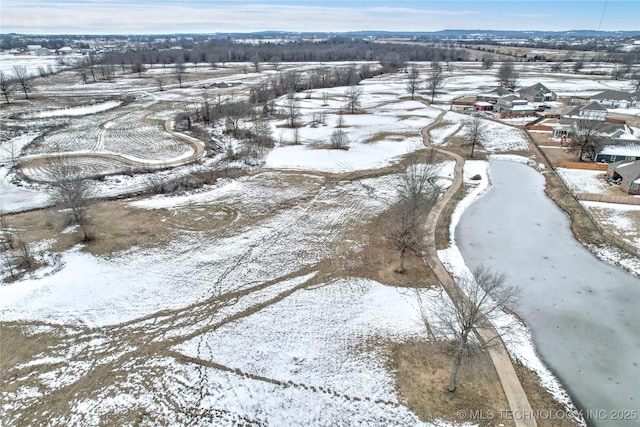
x=19, y=79
x=432, y=82
x=246, y=118
x=333, y=49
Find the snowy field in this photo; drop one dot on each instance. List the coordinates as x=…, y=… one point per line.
x=241, y=317
x=586, y=181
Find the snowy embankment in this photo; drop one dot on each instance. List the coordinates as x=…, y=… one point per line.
x=519, y=344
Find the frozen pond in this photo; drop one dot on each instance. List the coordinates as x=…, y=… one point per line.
x=582, y=312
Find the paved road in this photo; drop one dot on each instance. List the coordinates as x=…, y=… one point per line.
x=518, y=402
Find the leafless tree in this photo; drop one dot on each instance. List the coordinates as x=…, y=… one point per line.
x=352, y=98
x=507, y=75
x=179, y=72
x=340, y=120
x=474, y=304
x=475, y=135
x=7, y=85
x=413, y=81
x=160, y=83
x=417, y=193
x=138, y=67
x=585, y=139
x=339, y=140
x=325, y=99
x=255, y=60
x=292, y=107
x=487, y=62
x=435, y=79
x=635, y=78
x=577, y=66
x=71, y=191
x=22, y=78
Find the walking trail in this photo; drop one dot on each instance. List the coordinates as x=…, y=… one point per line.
x=518, y=402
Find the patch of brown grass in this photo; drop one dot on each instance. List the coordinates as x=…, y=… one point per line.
x=423, y=370
x=541, y=401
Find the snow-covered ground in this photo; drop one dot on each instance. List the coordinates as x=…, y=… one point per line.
x=244, y=325
x=586, y=181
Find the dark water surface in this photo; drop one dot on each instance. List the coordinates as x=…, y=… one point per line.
x=584, y=314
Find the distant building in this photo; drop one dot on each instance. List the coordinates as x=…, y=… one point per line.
x=591, y=111
x=537, y=93
x=616, y=99
x=513, y=106
x=483, y=106
x=493, y=95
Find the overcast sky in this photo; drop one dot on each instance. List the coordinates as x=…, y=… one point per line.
x=211, y=16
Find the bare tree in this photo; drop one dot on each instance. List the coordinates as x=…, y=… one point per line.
x=487, y=62
x=179, y=72
x=160, y=83
x=475, y=136
x=292, y=107
x=413, y=81
x=138, y=67
x=507, y=75
x=435, y=79
x=6, y=86
x=352, y=98
x=635, y=78
x=577, y=66
x=339, y=140
x=475, y=303
x=585, y=139
x=417, y=193
x=22, y=78
x=71, y=191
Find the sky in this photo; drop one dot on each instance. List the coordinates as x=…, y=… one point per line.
x=212, y=16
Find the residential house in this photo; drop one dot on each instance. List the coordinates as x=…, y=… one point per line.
x=591, y=111
x=616, y=150
x=614, y=99
x=493, y=95
x=537, y=93
x=628, y=172
x=514, y=106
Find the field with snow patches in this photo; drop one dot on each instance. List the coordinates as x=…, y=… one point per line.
x=247, y=315
x=586, y=181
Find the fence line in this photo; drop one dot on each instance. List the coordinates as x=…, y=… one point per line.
x=581, y=165
x=608, y=237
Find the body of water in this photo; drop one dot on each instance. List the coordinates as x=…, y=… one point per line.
x=583, y=313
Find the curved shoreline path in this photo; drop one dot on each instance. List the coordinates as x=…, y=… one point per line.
x=130, y=160
x=518, y=402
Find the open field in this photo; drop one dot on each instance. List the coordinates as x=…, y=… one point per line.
x=266, y=297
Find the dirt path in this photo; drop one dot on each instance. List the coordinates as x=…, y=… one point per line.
x=129, y=160
x=518, y=402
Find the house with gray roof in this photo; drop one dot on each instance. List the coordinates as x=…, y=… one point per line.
x=514, y=106
x=612, y=150
x=615, y=99
x=591, y=111
x=493, y=95
x=628, y=172
x=537, y=93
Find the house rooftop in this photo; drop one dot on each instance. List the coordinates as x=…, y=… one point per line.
x=622, y=149
x=629, y=171
x=612, y=94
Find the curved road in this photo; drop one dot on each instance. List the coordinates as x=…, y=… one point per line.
x=518, y=402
